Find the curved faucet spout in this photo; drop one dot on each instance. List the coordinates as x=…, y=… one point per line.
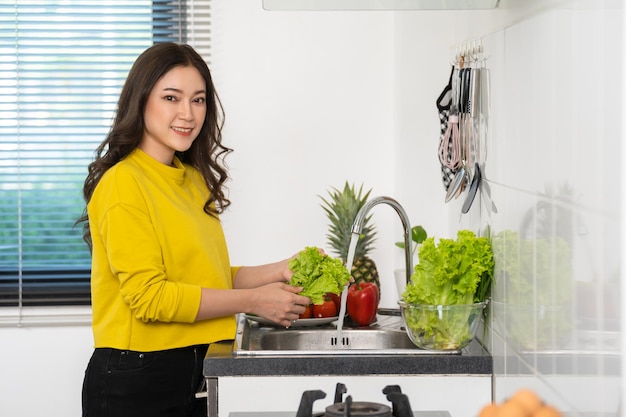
x=357, y=226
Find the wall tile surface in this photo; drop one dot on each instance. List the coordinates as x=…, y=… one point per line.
x=554, y=173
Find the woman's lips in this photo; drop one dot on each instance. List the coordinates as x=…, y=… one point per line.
x=185, y=131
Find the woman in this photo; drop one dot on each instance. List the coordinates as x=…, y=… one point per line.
x=162, y=284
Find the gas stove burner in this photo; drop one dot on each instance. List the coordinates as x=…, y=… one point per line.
x=358, y=409
x=349, y=408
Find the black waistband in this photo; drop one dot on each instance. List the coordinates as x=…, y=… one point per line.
x=202, y=347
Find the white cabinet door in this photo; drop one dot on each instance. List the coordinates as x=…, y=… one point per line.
x=461, y=396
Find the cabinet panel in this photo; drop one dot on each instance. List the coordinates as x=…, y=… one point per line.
x=462, y=396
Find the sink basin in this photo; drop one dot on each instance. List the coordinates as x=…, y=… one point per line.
x=327, y=339
x=386, y=337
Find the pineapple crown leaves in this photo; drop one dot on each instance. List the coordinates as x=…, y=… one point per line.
x=341, y=207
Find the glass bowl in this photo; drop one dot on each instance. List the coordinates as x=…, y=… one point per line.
x=441, y=327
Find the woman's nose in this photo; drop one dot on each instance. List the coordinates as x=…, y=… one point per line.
x=184, y=111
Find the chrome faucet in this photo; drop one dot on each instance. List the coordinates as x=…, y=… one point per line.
x=357, y=226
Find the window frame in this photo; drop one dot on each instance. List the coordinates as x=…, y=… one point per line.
x=67, y=285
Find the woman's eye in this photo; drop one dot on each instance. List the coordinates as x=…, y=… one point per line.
x=200, y=100
x=170, y=98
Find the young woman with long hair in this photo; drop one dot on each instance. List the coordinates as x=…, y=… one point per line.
x=162, y=285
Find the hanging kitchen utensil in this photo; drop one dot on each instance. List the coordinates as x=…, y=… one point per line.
x=485, y=189
x=465, y=176
x=473, y=189
x=444, y=103
x=462, y=177
x=467, y=130
x=449, y=152
x=457, y=184
x=481, y=111
x=472, y=139
x=474, y=116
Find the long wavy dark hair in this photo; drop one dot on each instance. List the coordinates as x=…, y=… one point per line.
x=207, y=152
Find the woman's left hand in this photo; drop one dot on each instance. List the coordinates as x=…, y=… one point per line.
x=279, y=302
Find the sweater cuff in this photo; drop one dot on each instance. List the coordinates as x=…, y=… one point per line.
x=233, y=272
x=189, y=305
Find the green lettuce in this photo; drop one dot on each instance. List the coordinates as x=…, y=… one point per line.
x=453, y=272
x=318, y=274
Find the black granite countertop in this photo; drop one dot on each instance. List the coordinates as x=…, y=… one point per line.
x=220, y=361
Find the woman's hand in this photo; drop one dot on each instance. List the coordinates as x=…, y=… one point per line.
x=279, y=302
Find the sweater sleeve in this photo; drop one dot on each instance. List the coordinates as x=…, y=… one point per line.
x=134, y=256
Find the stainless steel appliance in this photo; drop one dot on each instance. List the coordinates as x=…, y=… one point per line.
x=399, y=406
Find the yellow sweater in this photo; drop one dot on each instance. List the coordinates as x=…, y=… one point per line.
x=154, y=248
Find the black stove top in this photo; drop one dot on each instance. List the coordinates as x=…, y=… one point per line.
x=399, y=406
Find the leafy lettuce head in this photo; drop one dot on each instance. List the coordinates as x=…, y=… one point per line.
x=453, y=272
x=318, y=274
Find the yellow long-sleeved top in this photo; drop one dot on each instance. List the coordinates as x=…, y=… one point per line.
x=154, y=248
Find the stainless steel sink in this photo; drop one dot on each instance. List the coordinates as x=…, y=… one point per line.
x=386, y=337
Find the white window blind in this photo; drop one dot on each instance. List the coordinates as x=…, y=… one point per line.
x=62, y=66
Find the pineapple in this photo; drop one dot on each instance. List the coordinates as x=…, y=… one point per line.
x=341, y=208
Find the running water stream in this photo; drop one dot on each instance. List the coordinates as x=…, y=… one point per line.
x=344, y=295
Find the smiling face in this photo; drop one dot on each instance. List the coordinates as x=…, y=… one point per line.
x=174, y=113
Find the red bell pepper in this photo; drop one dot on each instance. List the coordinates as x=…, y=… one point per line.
x=362, y=303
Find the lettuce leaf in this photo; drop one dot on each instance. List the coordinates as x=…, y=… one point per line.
x=318, y=274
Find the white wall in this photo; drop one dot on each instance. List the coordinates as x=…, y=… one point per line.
x=42, y=368
x=310, y=103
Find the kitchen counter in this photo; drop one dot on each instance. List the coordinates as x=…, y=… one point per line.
x=220, y=361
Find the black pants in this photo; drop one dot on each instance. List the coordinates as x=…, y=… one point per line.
x=121, y=383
